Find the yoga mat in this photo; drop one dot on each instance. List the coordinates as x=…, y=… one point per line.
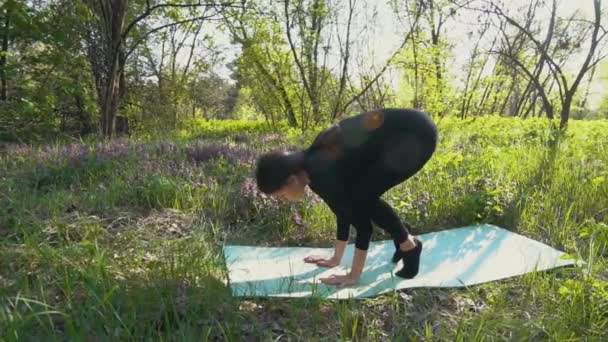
x=451, y=258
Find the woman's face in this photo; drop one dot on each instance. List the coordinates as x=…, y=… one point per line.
x=294, y=190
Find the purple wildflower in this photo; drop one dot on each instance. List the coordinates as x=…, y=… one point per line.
x=75, y=155
x=272, y=138
x=249, y=190
x=201, y=153
x=249, y=201
x=19, y=151
x=166, y=148
x=115, y=149
x=241, y=138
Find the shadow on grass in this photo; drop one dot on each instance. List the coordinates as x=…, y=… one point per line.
x=80, y=293
x=542, y=178
x=127, y=310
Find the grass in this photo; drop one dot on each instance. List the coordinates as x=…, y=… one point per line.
x=122, y=240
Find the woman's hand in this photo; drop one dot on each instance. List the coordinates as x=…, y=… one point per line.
x=322, y=261
x=340, y=280
x=353, y=276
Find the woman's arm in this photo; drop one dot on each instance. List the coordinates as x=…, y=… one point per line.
x=364, y=231
x=342, y=232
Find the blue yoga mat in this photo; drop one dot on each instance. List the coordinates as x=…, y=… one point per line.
x=451, y=258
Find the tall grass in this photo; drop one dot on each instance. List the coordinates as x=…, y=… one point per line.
x=122, y=240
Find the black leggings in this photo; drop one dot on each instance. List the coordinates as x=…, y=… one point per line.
x=400, y=159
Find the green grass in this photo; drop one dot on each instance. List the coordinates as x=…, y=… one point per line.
x=123, y=241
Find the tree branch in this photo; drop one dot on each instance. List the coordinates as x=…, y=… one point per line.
x=388, y=63
x=599, y=59
x=142, y=38
x=594, y=44
x=531, y=77
x=555, y=68
x=293, y=51
x=191, y=51
x=534, y=80
x=345, y=57
x=150, y=9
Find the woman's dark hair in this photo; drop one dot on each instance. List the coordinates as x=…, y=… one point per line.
x=274, y=168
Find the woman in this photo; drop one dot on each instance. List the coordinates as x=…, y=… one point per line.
x=350, y=165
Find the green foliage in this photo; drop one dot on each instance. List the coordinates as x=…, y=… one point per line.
x=222, y=128
x=46, y=73
x=244, y=108
x=281, y=83
x=425, y=80
x=265, y=68
x=55, y=177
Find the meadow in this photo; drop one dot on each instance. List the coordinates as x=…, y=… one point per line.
x=122, y=240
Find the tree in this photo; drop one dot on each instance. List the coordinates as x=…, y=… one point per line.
x=264, y=66
x=475, y=70
x=423, y=59
x=19, y=26
x=437, y=13
x=174, y=79
x=370, y=78
x=286, y=52
x=44, y=72
x=559, y=44
x=213, y=96
x=115, y=30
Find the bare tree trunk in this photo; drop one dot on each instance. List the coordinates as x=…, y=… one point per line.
x=484, y=97
x=112, y=88
x=473, y=90
x=565, y=113
x=495, y=100
x=467, y=96
x=417, y=103
x=506, y=99
x=110, y=102
x=438, y=14
x=278, y=86
x=317, y=25
x=595, y=39
x=435, y=33
x=542, y=59
x=106, y=53
x=589, y=81
x=307, y=60
x=511, y=55
x=337, y=110
x=371, y=81
x=305, y=77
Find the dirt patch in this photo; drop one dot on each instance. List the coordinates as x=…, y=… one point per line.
x=163, y=223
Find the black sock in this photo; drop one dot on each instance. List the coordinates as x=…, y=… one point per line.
x=411, y=261
x=397, y=254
